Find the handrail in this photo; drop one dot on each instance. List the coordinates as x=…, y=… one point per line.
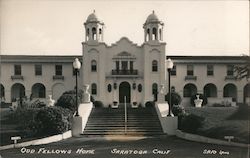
x=125, y=119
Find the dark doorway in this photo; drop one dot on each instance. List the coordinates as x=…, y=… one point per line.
x=124, y=90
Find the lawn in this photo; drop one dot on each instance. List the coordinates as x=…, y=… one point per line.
x=219, y=123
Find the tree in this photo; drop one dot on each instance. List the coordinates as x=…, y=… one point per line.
x=243, y=71
x=175, y=98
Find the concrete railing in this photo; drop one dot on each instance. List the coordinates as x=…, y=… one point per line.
x=169, y=124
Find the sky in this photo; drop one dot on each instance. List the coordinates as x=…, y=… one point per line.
x=191, y=27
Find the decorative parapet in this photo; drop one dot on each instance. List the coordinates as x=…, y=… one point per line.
x=190, y=78
x=17, y=77
x=58, y=77
x=230, y=78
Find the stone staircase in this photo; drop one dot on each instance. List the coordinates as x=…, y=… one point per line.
x=108, y=121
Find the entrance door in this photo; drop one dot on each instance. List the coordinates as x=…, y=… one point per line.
x=124, y=90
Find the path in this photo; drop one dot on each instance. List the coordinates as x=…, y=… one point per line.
x=124, y=147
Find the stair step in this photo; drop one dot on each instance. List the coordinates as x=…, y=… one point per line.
x=106, y=121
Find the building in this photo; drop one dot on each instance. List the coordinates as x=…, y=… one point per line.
x=123, y=70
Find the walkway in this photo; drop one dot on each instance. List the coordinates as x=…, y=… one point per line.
x=124, y=147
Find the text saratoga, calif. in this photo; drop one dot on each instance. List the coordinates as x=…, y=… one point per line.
x=92, y=151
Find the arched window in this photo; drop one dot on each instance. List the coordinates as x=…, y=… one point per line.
x=87, y=34
x=147, y=35
x=230, y=90
x=154, y=66
x=246, y=93
x=210, y=90
x=155, y=90
x=93, y=89
x=189, y=90
x=160, y=32
x=38, y=90
x=109, y=88
x=100, y=34
x=17, y=91
x=94, y=33
x=154, y=34
x=93, y=66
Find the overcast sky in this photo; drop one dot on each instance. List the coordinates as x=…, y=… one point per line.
x=55, y=27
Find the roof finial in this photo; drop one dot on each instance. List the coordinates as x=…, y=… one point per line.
x=94, y=11
x=153, y=12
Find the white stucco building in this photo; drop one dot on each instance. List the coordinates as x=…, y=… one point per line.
x=123, y=69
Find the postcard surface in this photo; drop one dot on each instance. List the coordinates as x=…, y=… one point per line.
x=163, y=79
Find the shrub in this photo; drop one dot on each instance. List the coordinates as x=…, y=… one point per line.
x=178, y=110
x=25, y=118
x=191, y=123
x=68, y=99
x=201, y=96
x=98, y=104
x=175, y=98
x=242, y=113
x=53, y=120
x=150, y=104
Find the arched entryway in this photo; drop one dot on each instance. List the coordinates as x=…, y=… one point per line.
x=230, y=90
x=17, y=91
x=247, y=93
x=124, y=90
x=189, y=90
x=210, y=90
x=38, y=91
x=2, y=93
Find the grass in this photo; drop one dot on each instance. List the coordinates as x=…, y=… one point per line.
x=223, y=121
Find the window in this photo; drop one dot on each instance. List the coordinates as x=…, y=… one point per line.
x=58, y=70
x=139, y=88
x=160, y=34
x=38, y=70
x=190, y=70
x=124, y=65
x=94, y=33
x=17, y=70
x=230, y=70
x=131, y=65
x=109, y=88
x=210, y=70
x=93, y=66
x=154, y=35
x=117, y=65
x=154, y=66
x=189, y=90
x=93, y=89
x=38, y=91
x=173, y=71
x=210, y=90
x=100, y=33
x=147, y=35
x=87, y=34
